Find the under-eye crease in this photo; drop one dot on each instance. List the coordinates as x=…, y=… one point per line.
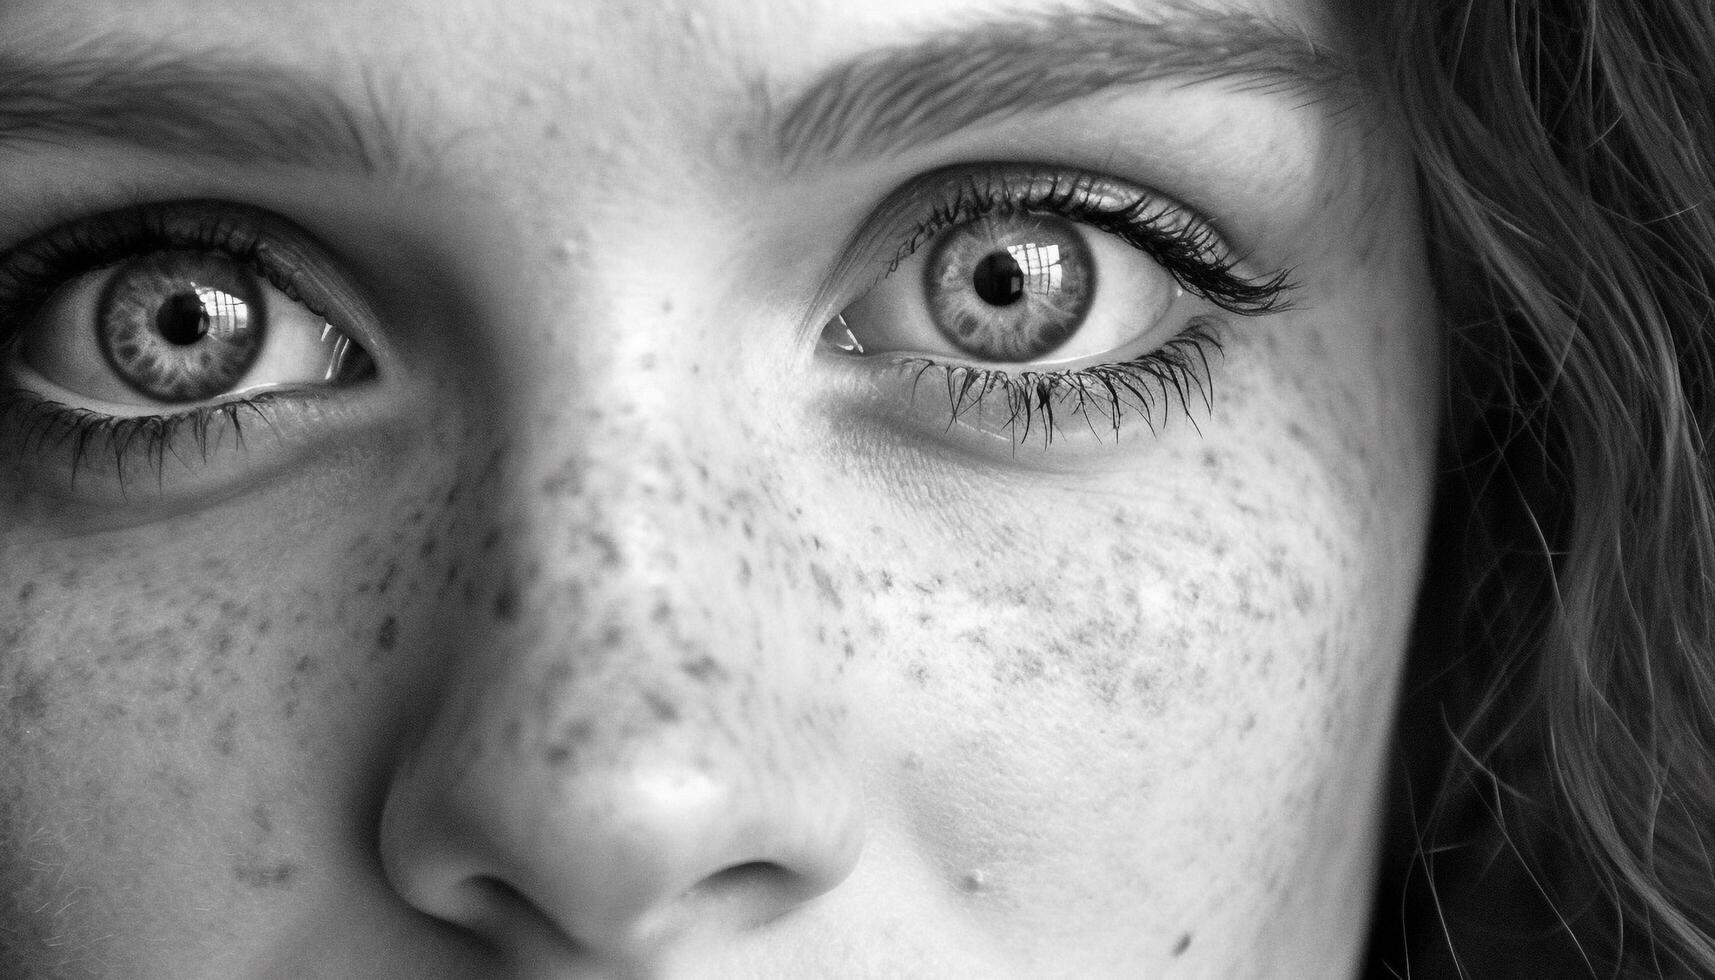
x=206, y=251
x=1011, y=362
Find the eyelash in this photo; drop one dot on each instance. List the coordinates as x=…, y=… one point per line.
x=1188, y=248
x=45, y=424
x=32, y=272
x=1039, y=399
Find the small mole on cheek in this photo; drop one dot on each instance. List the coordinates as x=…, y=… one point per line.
x=1182, y=945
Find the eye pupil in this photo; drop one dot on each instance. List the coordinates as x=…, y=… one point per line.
x=999, y=279
x=182, y=320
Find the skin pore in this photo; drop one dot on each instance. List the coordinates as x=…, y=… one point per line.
x=620, y=624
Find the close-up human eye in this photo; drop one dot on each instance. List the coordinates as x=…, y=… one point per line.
x=1033, y=297
x=127, y=333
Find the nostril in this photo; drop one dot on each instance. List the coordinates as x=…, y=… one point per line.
x=756, y=892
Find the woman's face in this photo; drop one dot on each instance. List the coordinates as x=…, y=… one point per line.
x=698, y=488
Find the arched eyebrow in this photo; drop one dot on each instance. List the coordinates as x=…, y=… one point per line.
x=216, y=105
x=192, y=104
x=898, y=97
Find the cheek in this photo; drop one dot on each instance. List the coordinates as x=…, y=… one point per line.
x=192, y=713
x=1149, y=700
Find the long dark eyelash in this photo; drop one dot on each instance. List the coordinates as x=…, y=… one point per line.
x=1177, y=372
x=45, y=425
x=1190, y=250
x=34, y=270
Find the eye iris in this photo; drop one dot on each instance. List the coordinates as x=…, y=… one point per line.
x=181, y=326
x=1010, y=287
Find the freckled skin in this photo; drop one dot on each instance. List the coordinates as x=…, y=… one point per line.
x=624, y=635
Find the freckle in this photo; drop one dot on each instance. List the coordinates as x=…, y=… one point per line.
x=1301, y=598
x=387, y=578
x=27, y=590
x=1182, y=945
x=31, y=701
x=613, y=636
x=663, y=709
x=491, y=539
x=825, y=586
x=744, y=573
x=260, y=817
x=918, y=673
x=417, y=517
x=975, y=880
x=506, y=604
x=259, y=875
x=388, y=636
x=222, y=738
x=306, y=664
x=704, y=670
x=609, y=551
x=574, y=735
x=567, y=480
x=428, y=546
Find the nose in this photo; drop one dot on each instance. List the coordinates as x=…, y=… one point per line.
x=634, y=766
x=616, y=863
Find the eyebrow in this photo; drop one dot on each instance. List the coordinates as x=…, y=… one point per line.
x=218, y=105
x=898, y=97
x=192, y=104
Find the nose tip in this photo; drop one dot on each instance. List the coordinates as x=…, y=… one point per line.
x=618, y=867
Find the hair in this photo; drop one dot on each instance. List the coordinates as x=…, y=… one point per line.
x=1555, y=807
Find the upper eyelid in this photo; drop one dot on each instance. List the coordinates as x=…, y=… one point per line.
x=1075, y=192
x=287, y=255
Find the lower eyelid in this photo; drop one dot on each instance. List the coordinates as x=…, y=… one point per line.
x=1156, y=391
x=142, y=465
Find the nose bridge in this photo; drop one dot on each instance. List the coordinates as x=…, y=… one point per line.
x=640, y=726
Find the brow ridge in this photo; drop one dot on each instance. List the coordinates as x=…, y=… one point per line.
x=889, y=99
